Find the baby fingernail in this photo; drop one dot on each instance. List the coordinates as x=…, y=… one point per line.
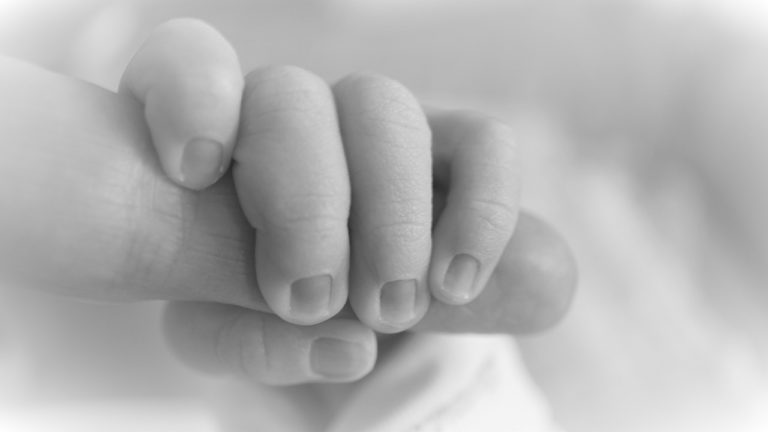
x=337, y=359
x=311, y=298
x=397, y=301
x=201, y=162
x=460, y=278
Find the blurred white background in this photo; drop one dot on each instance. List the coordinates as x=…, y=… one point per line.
x=621, y=110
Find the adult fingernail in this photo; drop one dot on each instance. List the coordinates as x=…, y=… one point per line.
x=311, y=298
x=397, y=301
x=337, y=359
x=201, y=162
x=460, y=278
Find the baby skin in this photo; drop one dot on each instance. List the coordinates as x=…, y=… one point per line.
x=351, y=193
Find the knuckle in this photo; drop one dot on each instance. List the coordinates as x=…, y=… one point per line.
x=280, y=97
x=369, y=81
x=494, y=136
x=382, y=103
x=281, y=80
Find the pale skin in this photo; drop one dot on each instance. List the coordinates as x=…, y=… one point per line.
x=95, y=216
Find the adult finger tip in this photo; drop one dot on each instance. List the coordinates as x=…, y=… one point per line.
x=531, y=290
x=543, y=270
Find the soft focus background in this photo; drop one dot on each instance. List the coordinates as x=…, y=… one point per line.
x=643, y=129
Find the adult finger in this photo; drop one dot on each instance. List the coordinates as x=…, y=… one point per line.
x=218, y=338
x=291, y=177
x=89, y=213
x=530, y=290
x=387, y=144
x=188, y=77
x=476, y=163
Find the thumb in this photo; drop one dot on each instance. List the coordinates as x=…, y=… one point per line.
x=188, y=78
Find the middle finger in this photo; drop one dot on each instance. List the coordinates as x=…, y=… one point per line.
x=387, y=143
x=291, y=178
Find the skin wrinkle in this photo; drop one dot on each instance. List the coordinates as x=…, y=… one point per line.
x=279, y=111
x=188, y=210
x=305, y=209
x=284, y=212
x=306, y=93
x=311, y=107
x=265, y=347
x=496, y=215
x=482, y=133
x=223, y=338
x=401, y=233
x=383, y=108
x=152, y=252
x=280, y=72
x=384, y=95
x=392, y=138
x=403, y=209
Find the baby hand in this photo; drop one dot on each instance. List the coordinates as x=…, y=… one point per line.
x=324, y=171
x=91, y=216
x=340, y=180
x=321, y=172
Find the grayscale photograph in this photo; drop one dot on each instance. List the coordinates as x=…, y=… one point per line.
x=383, y=216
